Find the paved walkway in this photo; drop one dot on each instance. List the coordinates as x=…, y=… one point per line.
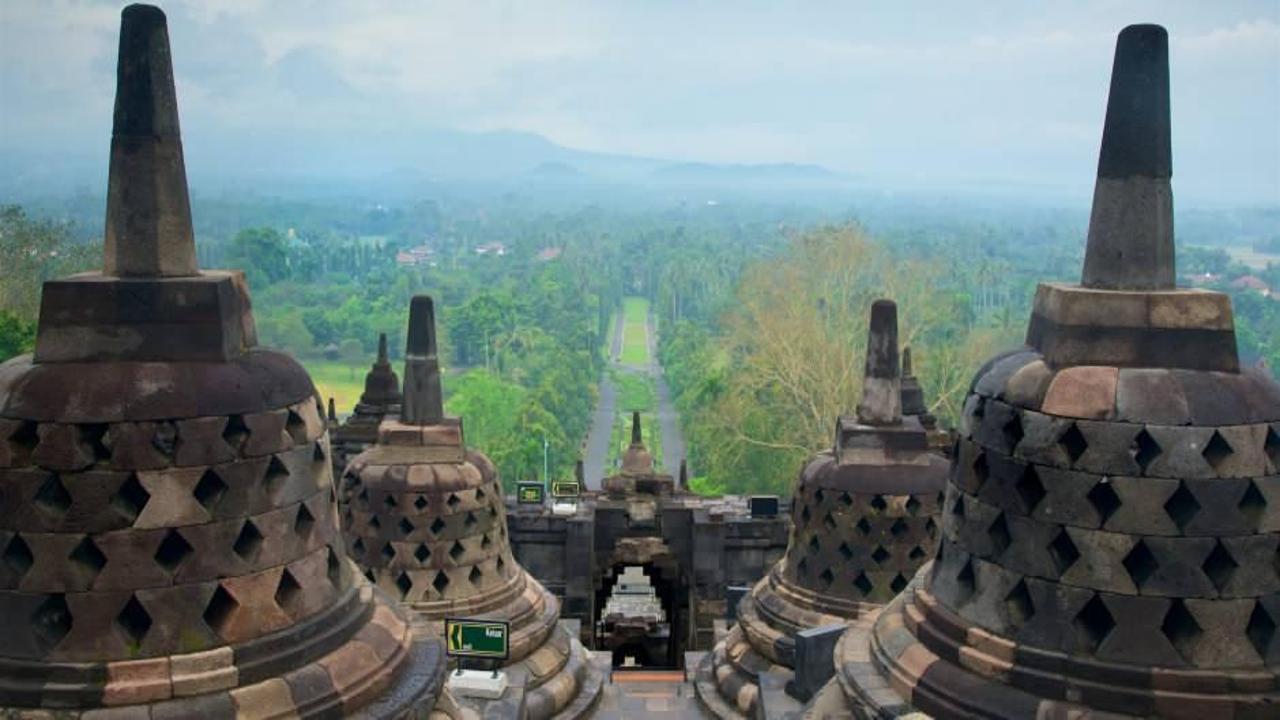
x=597, y=450
x=638, y=694
x=606, y=413
x=668, y=419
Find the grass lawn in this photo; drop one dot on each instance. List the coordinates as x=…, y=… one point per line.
x=338, y=380
x=635, y=337
x=635, y=391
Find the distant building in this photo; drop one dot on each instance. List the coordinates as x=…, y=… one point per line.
x=420, y=255
x=492, y=248
x=1251, y=282
x=549, y=254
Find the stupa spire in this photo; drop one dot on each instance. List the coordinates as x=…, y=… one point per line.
x=423, y=396
x=1130, y=244
x=636, y=438
x=148, y=227
x=882, y=382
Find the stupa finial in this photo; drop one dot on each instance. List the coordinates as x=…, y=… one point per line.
x=1130, y=244
x=882, y=382
x=636, y=438
x=148, y=228
x=382, y=348
x=423, y=396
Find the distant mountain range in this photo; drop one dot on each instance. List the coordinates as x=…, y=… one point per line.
x=298, y=162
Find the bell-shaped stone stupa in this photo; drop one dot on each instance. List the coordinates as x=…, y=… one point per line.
x=426, y=518
x=1110, y=528
x=864, y=520
x=169, y=541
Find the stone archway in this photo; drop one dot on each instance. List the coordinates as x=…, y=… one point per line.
x=665, y=574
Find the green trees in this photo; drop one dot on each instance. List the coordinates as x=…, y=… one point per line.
x=763, y=391
x=31, y=252
x=16, y=336
x=262, y=254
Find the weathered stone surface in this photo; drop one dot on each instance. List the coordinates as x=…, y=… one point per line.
x=1117, y=537
x=168, y=530
x=1082, y=392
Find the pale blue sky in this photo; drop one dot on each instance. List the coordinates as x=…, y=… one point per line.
x=942, y=93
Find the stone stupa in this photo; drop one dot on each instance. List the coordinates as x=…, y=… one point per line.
x=426, y=518
x=169, y=542
x=864, y=521
x=1109, y=543
x=380, y=400
x=638, y=475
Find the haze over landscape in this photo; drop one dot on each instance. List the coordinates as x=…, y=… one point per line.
x=1000, y=97
x=576, y=360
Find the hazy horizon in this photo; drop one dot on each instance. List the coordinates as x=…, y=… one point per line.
x=936, y=96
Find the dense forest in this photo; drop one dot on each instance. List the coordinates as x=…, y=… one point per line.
x=760, y=309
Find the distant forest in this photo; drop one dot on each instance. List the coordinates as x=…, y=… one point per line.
x=761, y=309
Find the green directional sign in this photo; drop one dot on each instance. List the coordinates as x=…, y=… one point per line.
x=530, y=493
x=477, y=638
x=565, y=489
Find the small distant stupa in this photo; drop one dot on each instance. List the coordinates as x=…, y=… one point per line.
x=381, y=399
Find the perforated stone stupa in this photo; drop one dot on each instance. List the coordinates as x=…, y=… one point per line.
x=1111, y=524
x=425, y=517
x=169, y=541
x=381, y=399
x=864, y=520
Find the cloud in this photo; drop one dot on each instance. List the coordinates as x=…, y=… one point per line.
x=949, y=91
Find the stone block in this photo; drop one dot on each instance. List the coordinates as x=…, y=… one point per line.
x=140, y=445
x=1150, y=396
x=200, y=442
x=1101, y=562
x=172, y=502
x=1171, y=567
x=1040, y=439
x=1216, y=510
x=1109, y=448
x=1246, y=456
x=63, y=446
x=262, y=700
x=1178, y=452
x=137, y=681
x=1138, y=505
x=1222, y=641
x=1212, y=398
x=95, y=317
x=1134, y=634
x=203, y=672
x=1087, y=392
x=1027, y=386
x=266, y=433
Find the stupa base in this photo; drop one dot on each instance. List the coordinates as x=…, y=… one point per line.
x=762, y=642
x=916, y=656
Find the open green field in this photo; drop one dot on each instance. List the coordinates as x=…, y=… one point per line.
x=635, y=390
x=635, y=337
x=1251, y=258
x=337, y=380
